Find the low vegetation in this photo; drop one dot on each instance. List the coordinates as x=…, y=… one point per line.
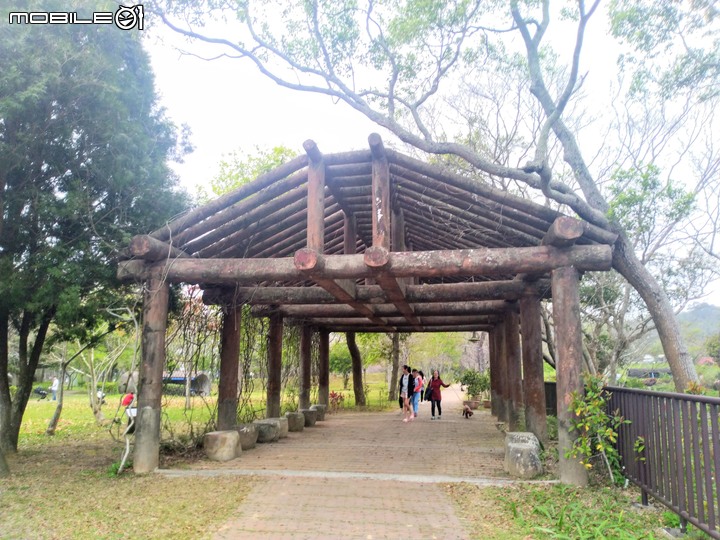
x=554, y=511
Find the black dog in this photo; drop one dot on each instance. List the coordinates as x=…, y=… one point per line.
x=41, y=392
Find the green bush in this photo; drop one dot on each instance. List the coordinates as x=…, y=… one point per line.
x=476, y=383
x=552, y=428
x=110, y=388
x=596, y=428
x=634, y=382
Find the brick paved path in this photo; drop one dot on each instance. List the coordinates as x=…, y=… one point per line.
x=364, y=475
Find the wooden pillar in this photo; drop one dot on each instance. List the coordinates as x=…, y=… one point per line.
x=513, y=370
x=349, y=234
x=381, y=228
x=568, y=339
x=324, y=368
x=146, y=456
x=229, y=373
x=315, y=198
x=533, y=380
x=274, y=368
x=305, y=366
x=502, y=406
x=494, y=373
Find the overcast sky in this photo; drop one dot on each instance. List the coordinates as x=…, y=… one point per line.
x=230, y=105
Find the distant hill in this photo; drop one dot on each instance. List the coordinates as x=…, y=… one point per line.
x=696, y=325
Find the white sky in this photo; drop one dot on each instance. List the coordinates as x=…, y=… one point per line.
x=229, y=105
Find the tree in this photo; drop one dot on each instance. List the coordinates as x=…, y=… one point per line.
x=239, y=168
x=357, y=371
x=649, y=209
x=712, y=346
x=398, y=62
x=83, y=166
x=341, y=362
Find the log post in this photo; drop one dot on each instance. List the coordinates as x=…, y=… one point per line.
x=315, y=198
x=532, y=360
x=305, y=366
x=380, y=193
x=494, y=372
x=146, y=457
x=274, y=368
x=324, y=368
x=568, y=337
x=229, y=374
x=501, y=349
x=513, y=370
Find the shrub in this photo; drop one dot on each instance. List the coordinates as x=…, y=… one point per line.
x=110, y=387
x=476, y=383
x=596, y=429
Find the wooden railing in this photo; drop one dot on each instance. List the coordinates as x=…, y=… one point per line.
x=671, y=451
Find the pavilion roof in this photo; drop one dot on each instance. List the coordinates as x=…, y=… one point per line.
x=433, y=209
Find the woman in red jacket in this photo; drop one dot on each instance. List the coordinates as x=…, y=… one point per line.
x=435, y=396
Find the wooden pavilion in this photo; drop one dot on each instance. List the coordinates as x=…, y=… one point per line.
x=373, y=241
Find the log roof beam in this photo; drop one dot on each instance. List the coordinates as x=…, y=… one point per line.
x=457, y=263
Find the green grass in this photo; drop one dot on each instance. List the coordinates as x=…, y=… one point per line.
x=554, y=511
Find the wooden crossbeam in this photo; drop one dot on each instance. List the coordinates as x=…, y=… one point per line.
x=151, y=249
x=451, y=328
x=467, y=262
x=373, y=294
x=487, y=307
x=342, y=290
x=401, y=322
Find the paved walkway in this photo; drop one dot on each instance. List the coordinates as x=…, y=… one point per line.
x=364, y=475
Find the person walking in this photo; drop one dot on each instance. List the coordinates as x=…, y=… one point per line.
x=54, y=388
x=417, y=391
x=407, y=386
x=435, y=394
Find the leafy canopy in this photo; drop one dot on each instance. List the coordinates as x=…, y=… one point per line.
x=83, y=166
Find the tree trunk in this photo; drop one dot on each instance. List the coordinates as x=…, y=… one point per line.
x=4, y=468
x=395, y=357
x=5, y=401
x=658, y=305
x=358, y=387
x=52, y=425
x=12, y=410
